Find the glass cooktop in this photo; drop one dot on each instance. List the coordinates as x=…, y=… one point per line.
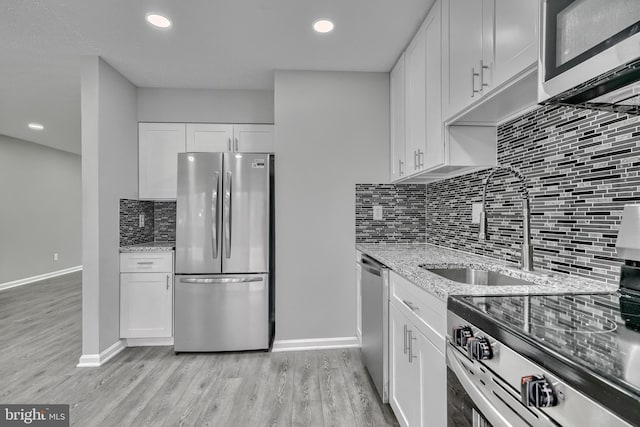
x=588, y=334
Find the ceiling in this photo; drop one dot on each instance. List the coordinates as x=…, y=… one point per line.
x=213, y=44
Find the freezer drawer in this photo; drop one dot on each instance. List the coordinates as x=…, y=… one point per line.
x=221, y=312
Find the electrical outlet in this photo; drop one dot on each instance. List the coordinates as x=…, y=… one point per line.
x=55, y=256
x=141, y=220
x=377, y=213
x=476, y=208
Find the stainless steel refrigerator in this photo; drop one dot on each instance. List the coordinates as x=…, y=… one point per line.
x=223, y=252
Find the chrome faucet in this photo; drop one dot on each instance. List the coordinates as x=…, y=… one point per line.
x=526, y=254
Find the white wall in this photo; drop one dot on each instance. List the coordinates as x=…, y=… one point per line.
x=109, y=173
x=331, y=132
x=205, y=105
x=40, y=213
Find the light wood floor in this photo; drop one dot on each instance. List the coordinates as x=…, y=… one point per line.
x=150, y=386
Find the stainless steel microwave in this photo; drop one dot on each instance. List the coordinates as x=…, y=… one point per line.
x=589, y=54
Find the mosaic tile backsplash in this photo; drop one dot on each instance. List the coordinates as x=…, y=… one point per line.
x=581, y=166
x=403, y=210
x=164, y=221
x=159, y=221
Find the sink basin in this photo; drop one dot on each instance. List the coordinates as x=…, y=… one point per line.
x=472, y=276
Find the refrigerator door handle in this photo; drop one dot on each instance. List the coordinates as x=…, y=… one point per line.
x=214, y=216
x=227, y=215
x=223, y=280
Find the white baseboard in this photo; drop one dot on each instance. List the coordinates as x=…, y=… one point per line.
x=96, y=360
x=39, y=277
x=315, y=344
x=144, y=342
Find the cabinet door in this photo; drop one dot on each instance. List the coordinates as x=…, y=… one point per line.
x=253, y=138
x=404, y=384
x=415, y=99
x=146, y=305
x=465, y=52
x=158, y=147
x=206, y=137
x=397, y=104
x=433, y=381
x=433, y=154
x=516, y=37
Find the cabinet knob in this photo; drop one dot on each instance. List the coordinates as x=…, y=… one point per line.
x=479, y=348
x=536, y=391
x=461, y=335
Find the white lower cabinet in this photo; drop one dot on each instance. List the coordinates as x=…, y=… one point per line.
x=146, y=298
x=432, y=367
x=418, y=371
x=404, y=387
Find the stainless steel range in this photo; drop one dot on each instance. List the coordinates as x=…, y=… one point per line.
x=542, y=360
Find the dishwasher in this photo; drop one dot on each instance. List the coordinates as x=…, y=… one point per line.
x=375, y=323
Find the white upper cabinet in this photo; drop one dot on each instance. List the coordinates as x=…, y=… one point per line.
x=160, y=143
x=158, y=147
x=516, y=34
x=416, y=124
x=209, y=137
x=487, y=44
x=253, y=138
x=434, y=145
x=464, y=52
x=397, y=123
x=206, y=137
x=415, y=99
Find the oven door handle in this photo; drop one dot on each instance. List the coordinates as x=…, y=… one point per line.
x=490, y=412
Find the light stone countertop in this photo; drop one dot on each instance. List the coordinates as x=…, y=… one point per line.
x=406, y=258
x=149, y=247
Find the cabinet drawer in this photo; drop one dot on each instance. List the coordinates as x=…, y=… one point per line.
x=135, y=262
x=426, y=311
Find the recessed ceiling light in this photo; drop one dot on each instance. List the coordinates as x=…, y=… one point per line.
x=159, y=21
x=323, y=26
x=36, y=126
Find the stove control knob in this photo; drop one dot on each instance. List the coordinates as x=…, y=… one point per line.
x=536, y=391
x=479, y=348
x=461, y=334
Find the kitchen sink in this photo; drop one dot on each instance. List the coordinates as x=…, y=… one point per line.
x=473, y=276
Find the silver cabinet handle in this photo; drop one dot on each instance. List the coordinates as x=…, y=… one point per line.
x=229, y=141
x=405, y=339
x=227, y=215
x=410, y=305
x=214, y=216
x=222, y=280
x=411, y=339
x=145, y=262
x=236, y=141
x=415, y=160
x=473, y=82
x=420, y=158
x=400, y=165
x=167, y=282
x=482, y=68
